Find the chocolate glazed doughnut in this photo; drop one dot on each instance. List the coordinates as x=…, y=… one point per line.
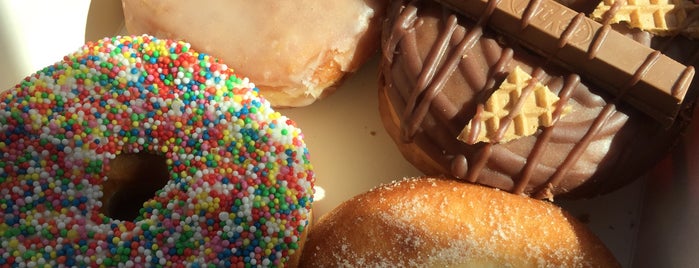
x=437, y=69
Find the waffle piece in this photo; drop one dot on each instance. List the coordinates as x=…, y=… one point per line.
x=660, y=17
x=516, y=109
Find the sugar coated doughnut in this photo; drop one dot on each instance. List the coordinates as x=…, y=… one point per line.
x=434, y=222
x=237, y=186
x=296, y=51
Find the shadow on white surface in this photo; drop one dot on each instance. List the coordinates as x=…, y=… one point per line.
x=668, y=234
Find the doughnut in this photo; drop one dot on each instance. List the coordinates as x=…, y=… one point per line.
x=437, y=222
x=296, y=51
x=427, y=99
x=219, y=177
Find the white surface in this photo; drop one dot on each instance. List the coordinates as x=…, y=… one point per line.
x=350, y=150
x=37, y=33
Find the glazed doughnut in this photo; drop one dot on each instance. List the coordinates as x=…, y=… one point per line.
x=235, y=186
x=296, y=51
x=434, y=222
x=431, y=86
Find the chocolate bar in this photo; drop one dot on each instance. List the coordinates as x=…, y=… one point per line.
x=639, y=75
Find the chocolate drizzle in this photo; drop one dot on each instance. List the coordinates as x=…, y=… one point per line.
x=538, y=150
x=518, y=107
x=529, y=13
x=570, y=30
x=438, y=68
x=577, y=151
x=607, y=70
x=415, y=111
x=429, y=85
x=680, y=88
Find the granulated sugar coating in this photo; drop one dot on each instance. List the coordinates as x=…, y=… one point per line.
x=436, y=222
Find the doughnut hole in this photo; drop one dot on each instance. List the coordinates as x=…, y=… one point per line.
x=132, y=179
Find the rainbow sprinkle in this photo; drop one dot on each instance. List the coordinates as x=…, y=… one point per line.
x=241, y=184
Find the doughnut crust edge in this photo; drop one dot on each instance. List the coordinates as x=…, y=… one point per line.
x=435, y=222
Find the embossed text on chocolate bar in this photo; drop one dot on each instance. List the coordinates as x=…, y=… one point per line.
x=639, y=75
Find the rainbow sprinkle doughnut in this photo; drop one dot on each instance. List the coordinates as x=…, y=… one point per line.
x=240, y=186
